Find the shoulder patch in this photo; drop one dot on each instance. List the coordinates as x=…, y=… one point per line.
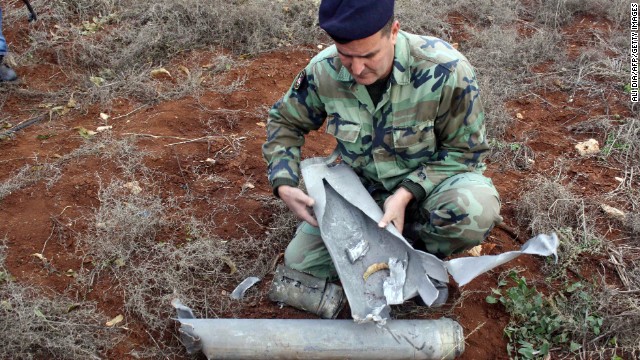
x=300, y=79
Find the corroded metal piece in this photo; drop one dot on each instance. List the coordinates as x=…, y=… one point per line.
x=248, y=339
x=306, y=292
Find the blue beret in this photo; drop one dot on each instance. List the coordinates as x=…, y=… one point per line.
x=347, y=20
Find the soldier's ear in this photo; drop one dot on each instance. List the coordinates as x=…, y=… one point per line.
x=395, y=29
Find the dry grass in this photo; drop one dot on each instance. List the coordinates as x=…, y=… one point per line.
x=28, y=175
x=121, y=151
x=555, y=13
x=37, y=324
x=548, y=206
x=516, y=155
x=620, y=139
x=619, y=306
x=155, y=251
x=503, y=61
x=121, y=41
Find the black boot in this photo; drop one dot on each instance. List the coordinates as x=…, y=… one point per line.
x=6, y=73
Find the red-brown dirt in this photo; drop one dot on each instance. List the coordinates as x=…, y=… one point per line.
x=46, y=220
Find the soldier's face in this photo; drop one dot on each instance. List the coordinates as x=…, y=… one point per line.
x=370, y=59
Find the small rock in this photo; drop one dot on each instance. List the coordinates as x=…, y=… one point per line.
x=104, y=116
x=104, y=128
x=481, y=249
x=116, y=320
x=134, y=187
x=613, y=212
x=210, y=161
x=619, y=179
x=520, y=116
x=475, y=251
x=320, y=47
x=588, y=147
x=248, y=185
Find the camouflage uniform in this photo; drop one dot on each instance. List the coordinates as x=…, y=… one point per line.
x=426, y=134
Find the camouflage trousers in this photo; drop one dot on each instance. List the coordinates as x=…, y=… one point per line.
x=457, y=215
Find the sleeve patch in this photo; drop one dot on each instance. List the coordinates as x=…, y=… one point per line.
x=301, y=79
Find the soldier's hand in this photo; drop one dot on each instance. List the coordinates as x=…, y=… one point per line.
x=298, y=202
x=394, y=209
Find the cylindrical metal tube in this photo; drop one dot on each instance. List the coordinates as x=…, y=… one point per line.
x=324, y=339
x=307, y=293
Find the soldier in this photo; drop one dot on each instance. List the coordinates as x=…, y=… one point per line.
x=406, y=113
x=6, y=73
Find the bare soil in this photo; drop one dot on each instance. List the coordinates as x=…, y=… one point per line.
x=47, y=220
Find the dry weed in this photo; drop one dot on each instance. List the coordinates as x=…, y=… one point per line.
x=121, y=151
x=516, y=155
x=487, y=13
x=503, y=62
x=620, y=148
x=417, y=17
x=154, y=32
x=154, y=251
x=37, y=325
x=548, y=206
x=29, y=175
x=555, y=13
x=633, y=223
x=120, y=41
x=621, y=307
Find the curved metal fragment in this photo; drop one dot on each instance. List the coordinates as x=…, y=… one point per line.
x=241, y=289
x=348, y=216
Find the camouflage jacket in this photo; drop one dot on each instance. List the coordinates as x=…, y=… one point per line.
x=428, y=126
